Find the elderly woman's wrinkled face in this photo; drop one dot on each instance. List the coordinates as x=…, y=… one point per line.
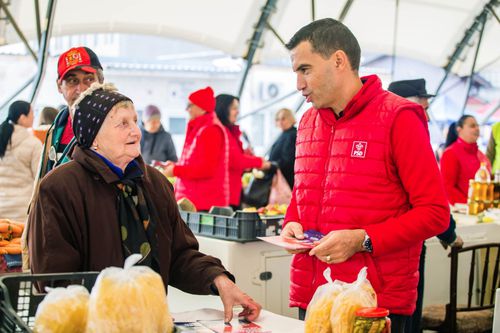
x=119, y=137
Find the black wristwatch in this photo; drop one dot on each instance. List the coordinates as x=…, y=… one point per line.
x=367, y=244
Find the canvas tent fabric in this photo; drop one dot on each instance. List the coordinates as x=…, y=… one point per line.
x=427, y=30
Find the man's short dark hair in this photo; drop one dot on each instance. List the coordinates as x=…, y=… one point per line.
x=327, y=36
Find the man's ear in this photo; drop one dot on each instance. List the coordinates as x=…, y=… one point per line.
x=341, y=59
x=59, y=86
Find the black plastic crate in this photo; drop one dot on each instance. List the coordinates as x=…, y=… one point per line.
x=241, y=227
x=19, y=299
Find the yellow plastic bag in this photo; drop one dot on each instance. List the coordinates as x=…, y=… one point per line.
x=319, y=309
x=63, y=310
x=356, y=295
x=131, y=300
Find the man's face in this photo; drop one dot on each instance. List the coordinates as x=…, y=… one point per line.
x=74, y=83
x=424, y=101
x=316, y=76
x=152, y=125
x=194, y=111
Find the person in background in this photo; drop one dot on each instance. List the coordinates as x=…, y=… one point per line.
x=283, y=149
x=227, y=110
x=462, y=159
x=47, y=116
x=156, y=143
x=355, y=176
x=106, y=204
x=493, y=149
x=415, y=91
x=203, y=169
x=45, y=120
x=19, y=157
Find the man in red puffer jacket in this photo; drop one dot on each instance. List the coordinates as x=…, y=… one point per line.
x=202, y=170
x=365, y=175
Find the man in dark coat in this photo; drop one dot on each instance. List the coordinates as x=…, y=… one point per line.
x=156, y=143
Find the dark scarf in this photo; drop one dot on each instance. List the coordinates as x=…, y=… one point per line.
x=137, y=218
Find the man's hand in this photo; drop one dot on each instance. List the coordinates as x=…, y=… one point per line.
x=168, y=169
x=231, y=295
x=339, y=245
x=458, y=243
x=293, y=230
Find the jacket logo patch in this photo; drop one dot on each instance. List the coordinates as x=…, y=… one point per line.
x=359, y=149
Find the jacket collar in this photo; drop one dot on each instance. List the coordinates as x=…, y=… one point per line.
x=95, y=164
x=471, y=148
x=372, y=87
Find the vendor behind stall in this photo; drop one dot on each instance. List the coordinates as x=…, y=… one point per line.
x=106, y=204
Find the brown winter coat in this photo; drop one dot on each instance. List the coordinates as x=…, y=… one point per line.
x=74, y=225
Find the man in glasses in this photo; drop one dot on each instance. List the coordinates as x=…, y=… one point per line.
x=77, y=69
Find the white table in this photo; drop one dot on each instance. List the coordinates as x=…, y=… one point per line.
x=267, y=320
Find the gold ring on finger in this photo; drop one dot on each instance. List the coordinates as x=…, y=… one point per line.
x=328, y=258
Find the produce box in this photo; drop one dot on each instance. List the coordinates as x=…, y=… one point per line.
x=19, y=299
x=240, y=227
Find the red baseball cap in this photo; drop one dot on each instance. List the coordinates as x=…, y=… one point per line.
x=81, y=58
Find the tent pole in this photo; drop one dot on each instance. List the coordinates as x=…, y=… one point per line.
x=256, y=37
x=488, y=116
x=345, y=10
x=20, y=90
x=11, y=19
x=463, y=43
x=43, y=48
x=313, y=10
x=471, y=76
x=275, y=33
x=37, y=17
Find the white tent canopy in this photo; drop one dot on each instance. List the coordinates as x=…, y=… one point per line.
x=426, y=30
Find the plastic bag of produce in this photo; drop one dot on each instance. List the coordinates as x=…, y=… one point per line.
x=319, y=309
x=356, y=295
x=63, y=310
x=131, y=300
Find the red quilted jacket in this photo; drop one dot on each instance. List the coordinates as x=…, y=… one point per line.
x=202, y=170
x=459, y=164
x=372, y=169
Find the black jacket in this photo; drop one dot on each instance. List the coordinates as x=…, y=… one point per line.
x=157, y=146
x=283, y=153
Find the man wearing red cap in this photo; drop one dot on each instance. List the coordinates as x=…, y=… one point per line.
x=202, y=170
x=77, y=69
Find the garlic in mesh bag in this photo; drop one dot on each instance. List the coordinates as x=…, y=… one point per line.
x=319, y=309
x=359, y=294
x=63, y=310
x=132, y=300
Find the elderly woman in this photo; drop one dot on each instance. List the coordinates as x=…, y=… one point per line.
x=106, y=204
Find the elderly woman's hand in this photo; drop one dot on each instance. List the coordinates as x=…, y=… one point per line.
x=231, y=295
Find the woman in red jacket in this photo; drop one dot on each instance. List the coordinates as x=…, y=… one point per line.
x=227, y=109
x=461, y=160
